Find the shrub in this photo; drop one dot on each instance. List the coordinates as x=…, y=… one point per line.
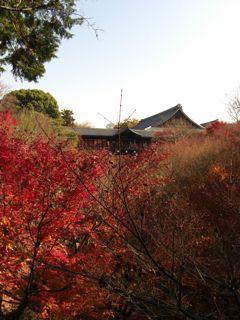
x=178, y=225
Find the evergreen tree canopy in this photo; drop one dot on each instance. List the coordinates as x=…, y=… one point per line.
x=31, y=32
x=37, y=100
x=67, y=116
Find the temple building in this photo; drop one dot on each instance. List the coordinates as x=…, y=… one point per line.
x=127, y=140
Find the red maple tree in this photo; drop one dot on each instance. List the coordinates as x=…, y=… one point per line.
x=48, y=249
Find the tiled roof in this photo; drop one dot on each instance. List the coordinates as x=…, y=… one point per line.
x=146, y=128
x=100, y=132
x=159, y=119
x=205, y=124
x=96, y=132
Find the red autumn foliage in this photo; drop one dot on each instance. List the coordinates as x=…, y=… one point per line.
x=44, y=196
x=93, y=236
x=214, y=126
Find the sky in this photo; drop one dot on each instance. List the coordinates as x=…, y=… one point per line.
x=159, y=52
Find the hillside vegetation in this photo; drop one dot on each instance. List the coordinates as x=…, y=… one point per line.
x=93, y=236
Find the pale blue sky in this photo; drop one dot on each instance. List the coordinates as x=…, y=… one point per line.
x=160, y=52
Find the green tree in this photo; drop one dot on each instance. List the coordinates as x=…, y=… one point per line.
x=36, y=100
x=126, y=123
x=31, y=32
x=67, y=116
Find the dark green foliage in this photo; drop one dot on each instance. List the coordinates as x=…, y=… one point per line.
x=36, y=100
x=31, y=31
x=67, y=116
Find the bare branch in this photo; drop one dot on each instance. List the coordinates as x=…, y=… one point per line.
x=233, y=106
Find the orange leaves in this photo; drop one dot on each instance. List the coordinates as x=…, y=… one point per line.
x=218, y=172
